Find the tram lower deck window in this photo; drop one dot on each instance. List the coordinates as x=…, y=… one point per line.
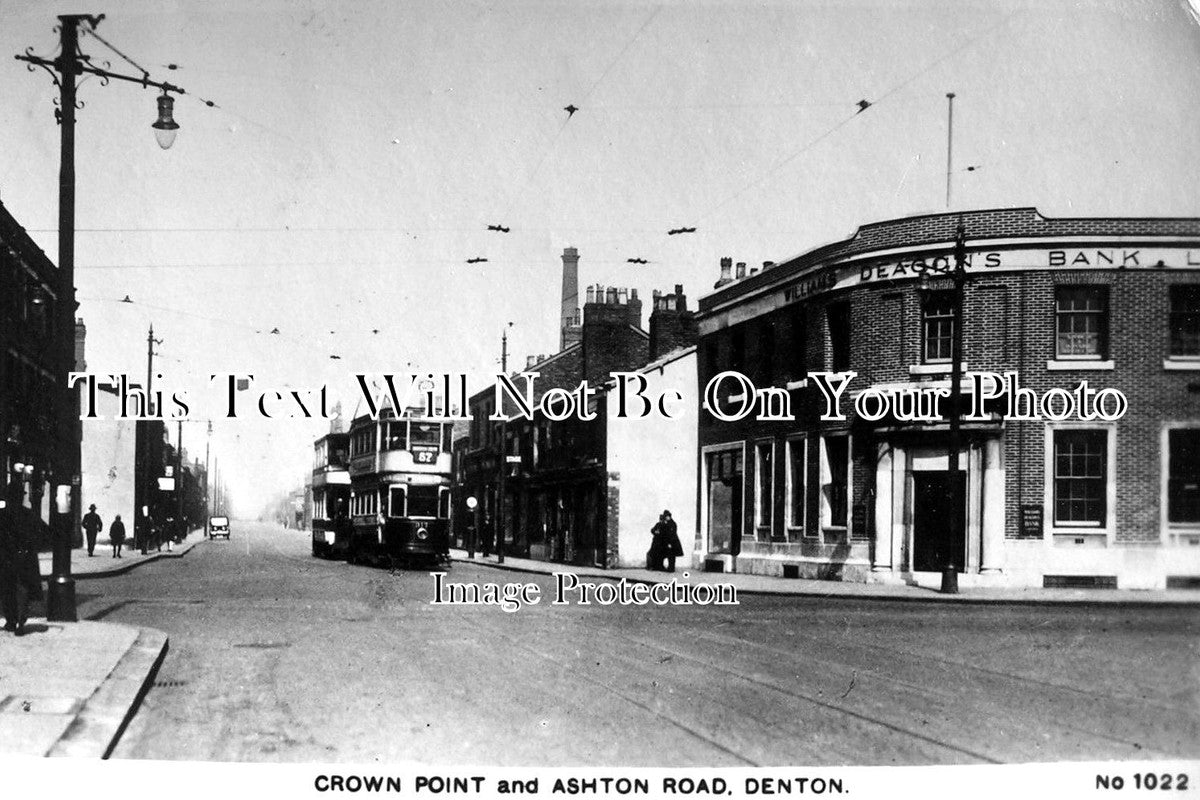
x=396, y=501
x=422, y=501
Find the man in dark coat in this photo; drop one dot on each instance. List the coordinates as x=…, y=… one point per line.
x=665, y=544
x=20, y=580
x=92, y=525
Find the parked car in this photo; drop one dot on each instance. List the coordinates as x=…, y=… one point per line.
x=218, y=526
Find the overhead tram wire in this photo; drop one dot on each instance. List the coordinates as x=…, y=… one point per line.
x=226, y=323
x=91, y=31
x=583, y=105
x=860, y=111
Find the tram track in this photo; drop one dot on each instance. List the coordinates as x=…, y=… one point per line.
x=1022, y=728
x=626, y=696
x=839, y=708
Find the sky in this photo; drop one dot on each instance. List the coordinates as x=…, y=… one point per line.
x=357, y=151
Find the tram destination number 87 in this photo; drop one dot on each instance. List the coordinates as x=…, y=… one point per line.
x=1145, y=780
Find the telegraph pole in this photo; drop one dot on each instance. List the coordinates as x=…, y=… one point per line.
x=207, y=477
x=64, y=69
x=150, y=342
x=949, y=145
x=958, y=512
x=179, y=481
x=500, y=515
x=60, y=598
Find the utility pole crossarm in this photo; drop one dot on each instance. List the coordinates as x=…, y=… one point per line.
x=82, y=65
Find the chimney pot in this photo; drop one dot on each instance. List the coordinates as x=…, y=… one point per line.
x=741, y=270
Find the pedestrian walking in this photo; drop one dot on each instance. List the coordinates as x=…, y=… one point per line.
x=92, y=525
x=665, y=543
x=169, y=532
x=116, y=533
x=20, y=578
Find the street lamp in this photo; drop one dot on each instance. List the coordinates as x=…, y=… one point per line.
x=71, y=63
x=165, y=126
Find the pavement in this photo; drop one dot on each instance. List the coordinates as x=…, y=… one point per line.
x=103, y=565
x=71, y=688
x=926, y=589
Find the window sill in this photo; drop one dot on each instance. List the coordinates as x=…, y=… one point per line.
x=940, y=368
x=1181, y=365
x=1081, y=537
x=1082, y=365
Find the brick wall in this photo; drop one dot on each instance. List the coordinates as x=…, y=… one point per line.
x=1000, y=223
x=1010, y=325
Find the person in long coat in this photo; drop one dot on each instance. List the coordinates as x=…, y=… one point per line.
x=92, y=525
x=20, y=578
x=116, y=533
x=665, y=544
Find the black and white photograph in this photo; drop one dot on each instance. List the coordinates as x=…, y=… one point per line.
x=600, y=398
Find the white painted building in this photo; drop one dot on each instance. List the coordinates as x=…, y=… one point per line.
x=652, y=460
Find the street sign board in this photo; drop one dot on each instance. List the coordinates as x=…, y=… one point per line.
x=166, y=484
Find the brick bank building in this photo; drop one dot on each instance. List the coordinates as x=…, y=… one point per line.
x=1114, y=302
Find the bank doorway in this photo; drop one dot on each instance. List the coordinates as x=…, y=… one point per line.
x=936, y=539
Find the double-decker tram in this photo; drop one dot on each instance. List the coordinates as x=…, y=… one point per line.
x=330, y=497
x=400, y=474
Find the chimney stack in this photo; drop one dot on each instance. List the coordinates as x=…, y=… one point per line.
x=568, y=319
x=671, y=325
x=726, y=267
x=741, y=270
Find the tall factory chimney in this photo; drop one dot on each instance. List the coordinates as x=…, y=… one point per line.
x=570, y=323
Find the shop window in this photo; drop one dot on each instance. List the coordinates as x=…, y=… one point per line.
x=764, y=484
x=797, y=450
x=1183, y=476
x=1081, y=322
x=838, y=319
x=937, y=327
x=835, y=480
x=1080, y=478
x=724, y=501
x=1185, y=321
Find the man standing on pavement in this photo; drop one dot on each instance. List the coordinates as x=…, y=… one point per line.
x=20, y=580
x=92, y=525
